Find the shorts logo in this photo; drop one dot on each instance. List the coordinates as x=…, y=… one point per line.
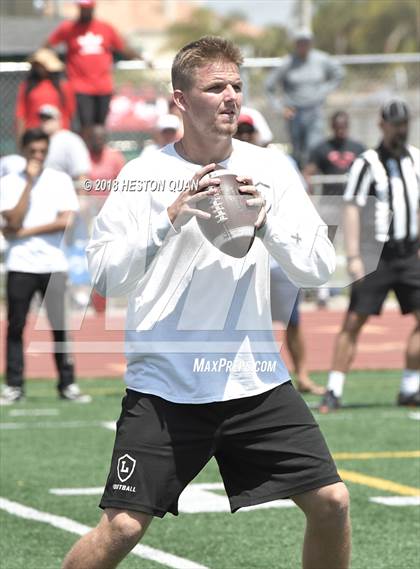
x=125, y=468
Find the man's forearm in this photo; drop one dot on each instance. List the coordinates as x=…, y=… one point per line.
x=352, y=231
x=60, y=224
x=53, y=227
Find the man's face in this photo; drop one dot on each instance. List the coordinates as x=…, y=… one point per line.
x=340, y=128
x=395, y=135
x=85, y=13
x=36, y=150
x=247, y=133
x=49, y=124
x=213, y=103
x=302, y=48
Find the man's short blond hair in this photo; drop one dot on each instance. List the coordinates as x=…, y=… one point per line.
x=198, y=53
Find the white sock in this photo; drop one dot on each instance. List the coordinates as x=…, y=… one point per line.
x=336, y=381
x=410, y=382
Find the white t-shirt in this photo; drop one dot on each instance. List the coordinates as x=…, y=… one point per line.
x=68, y=153
x=51, y=194
x=198, y=322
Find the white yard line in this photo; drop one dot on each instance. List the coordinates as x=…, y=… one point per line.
x=50, y=425
x=196, y=498
x=33, y=412
x=66, y=524
x=201, y=498
x=415, y=416
x=396, y=500
x=93, y=491
x=111, y=425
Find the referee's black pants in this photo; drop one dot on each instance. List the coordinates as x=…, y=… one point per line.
x=21, y=288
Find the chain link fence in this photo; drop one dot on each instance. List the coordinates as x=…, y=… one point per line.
x=369, y=81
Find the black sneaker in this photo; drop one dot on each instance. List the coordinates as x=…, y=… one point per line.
x=409, y=400
x=10, y=395
x=72, y=393
x=329, y=402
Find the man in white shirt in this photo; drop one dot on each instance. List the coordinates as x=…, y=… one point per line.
x=204, y=375
x=36, y=206
x=67, y=151
x=167, y=131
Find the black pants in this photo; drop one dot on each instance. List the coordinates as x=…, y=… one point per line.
x=21, y=288
x=92, y=109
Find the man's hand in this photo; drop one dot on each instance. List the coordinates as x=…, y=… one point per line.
x=289, y=113
x=183, y=208
x=257, y=200
x=33, y=169
x=355, y=268
x=10, y=233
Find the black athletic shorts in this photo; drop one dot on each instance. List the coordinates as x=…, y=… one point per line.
x=400, y=274
x=92, y=109
x=267, y=447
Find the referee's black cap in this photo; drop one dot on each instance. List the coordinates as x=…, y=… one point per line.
x=395, y=111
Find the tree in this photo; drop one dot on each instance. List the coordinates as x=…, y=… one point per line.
x=269, y=42
x=367, y=26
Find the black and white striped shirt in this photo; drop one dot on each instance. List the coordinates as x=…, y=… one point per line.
x=395, y=183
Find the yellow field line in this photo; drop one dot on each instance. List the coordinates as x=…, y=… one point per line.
x=370, y=455
x=379, y=483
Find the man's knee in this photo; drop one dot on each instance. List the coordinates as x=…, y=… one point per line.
x=333, y=505
x=326, y=505
x=124, y=527
x=354, y=323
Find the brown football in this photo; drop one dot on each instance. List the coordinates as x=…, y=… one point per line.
x=231, y=227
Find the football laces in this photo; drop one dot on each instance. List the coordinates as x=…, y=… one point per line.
x=217, y=208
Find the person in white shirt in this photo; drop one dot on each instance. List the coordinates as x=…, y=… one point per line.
x=204, y=375
x=67, y=151
x=167, y=131
x=36, y=206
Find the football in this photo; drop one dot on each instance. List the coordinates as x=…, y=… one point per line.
x=231, y=226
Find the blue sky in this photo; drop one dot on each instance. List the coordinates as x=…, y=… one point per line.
x=258, y=11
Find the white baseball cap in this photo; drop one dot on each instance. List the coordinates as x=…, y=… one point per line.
x=303, y=34
x=168, y=122
x=49, y=111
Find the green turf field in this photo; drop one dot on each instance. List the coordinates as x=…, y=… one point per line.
x=61, y=445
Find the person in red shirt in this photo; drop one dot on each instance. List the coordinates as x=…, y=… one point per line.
x=106, y=162
x=43, y=86
x=90, y=46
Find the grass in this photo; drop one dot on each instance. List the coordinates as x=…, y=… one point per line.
x=72, y=449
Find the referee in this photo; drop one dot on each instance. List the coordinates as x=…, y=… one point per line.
x=389, y=224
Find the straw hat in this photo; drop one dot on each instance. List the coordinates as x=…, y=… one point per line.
x=48, y=59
